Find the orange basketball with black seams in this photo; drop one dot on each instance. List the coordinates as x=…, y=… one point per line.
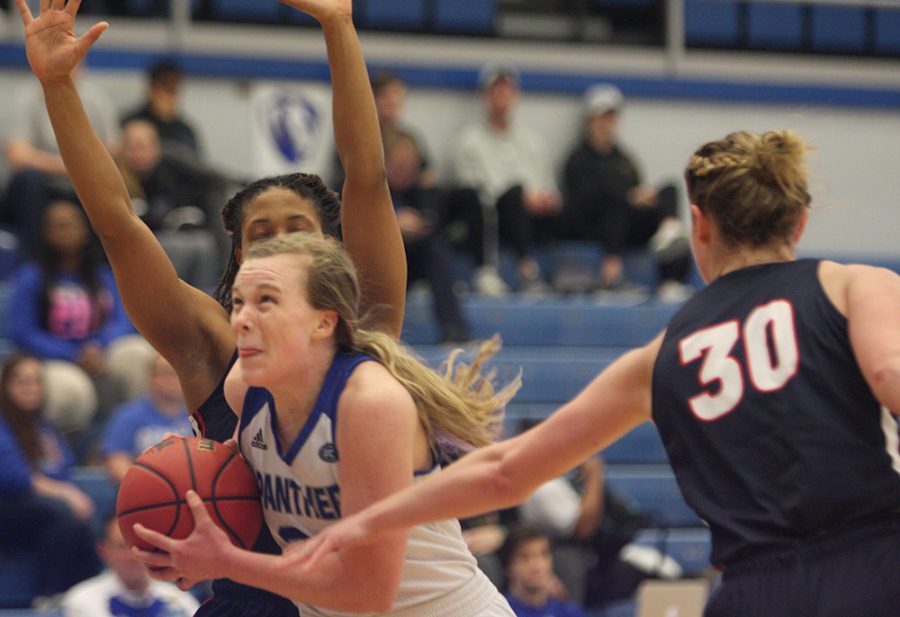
x=152, y=491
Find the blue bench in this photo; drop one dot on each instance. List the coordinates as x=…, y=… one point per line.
x=839, y=28
x=465, y=16
x=654, y=491
x=393, y=14
x=576, y=322
x=711, y=22
x=887, y=31
x=775, y=26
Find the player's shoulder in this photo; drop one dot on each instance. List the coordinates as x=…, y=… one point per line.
x=371, y=387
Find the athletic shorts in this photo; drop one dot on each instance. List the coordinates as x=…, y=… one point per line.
x=232, y=599
x=848, y=574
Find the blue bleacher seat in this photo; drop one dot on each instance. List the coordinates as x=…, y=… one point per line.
x=96, y=484
x=838, y=28
x=887, y=31
x=626, y=4
x=577, y=322
x=775, y=26
x=247, y=10
x=393, y=14
x=711, y=22
x=643, y=445
x=654, y=491
x=18, y=578
x=464, y=16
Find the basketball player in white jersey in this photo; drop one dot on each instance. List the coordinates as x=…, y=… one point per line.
x=336, y=417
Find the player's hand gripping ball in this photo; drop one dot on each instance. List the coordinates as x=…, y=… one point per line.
x=152, y=491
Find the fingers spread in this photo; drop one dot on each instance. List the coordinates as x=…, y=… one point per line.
x=27, y=17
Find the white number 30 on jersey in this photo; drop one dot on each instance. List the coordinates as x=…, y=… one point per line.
x=770, y=350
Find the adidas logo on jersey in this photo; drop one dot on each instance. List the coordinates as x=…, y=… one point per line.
x=258, y=441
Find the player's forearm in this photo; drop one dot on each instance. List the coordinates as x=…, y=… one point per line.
x=88, y=162
x=482, y=481
x=356, y=130
x=333, y=584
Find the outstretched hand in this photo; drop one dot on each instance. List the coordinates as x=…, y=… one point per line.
x=53, y=48
x=321, y=10
x=199, y=557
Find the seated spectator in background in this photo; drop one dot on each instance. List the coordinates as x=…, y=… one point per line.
x=511, y=186
x=124, y=589
x=176, y=201
x=531, y=587
x=40, y=509
x=68, y=312
x=484, y=535
x=605, y=201
x=162, y=109
x=427, y=256
x=38, y=174
x=389, y=92
x=593, y=530
x=138, y=424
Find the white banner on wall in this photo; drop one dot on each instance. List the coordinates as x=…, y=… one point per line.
x=291, y=129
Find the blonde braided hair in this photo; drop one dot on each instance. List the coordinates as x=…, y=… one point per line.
x=752, y=185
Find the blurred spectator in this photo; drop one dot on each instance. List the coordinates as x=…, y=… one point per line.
x=138, y=424
x=605, y=201
x=389, y=91
x=40, y=509
x=602, y=565
x=427, y=256
x=125, y=589
x=38, y=174
x=176, y=201
x=68, y=312
x=162, y=109
x=484, y=535
x=511, y=181
x=531, y=587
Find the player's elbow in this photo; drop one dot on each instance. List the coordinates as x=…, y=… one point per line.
x=885, y=383
x=506, y=482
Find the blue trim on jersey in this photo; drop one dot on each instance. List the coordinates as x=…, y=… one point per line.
x=342, y=366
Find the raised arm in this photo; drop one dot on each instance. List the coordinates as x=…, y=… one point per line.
x=506, y=473
x=369, y=224
x=182, y=323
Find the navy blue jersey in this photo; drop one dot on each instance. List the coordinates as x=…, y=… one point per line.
x=771, y=429
x=214, y=419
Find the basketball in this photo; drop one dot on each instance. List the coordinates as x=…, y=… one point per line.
x=152, y=491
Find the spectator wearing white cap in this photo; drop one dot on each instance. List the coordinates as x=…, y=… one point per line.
x=511, y=186
x=606, y=201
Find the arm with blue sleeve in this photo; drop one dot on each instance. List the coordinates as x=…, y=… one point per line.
x=15, y=473
x=24, y=322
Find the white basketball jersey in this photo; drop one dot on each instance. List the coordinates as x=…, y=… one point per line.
x=300, y=494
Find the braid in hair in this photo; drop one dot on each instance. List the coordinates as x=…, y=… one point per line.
x=753, y=186
x=308, y=186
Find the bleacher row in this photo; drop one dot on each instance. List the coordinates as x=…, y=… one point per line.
x=790, y=26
